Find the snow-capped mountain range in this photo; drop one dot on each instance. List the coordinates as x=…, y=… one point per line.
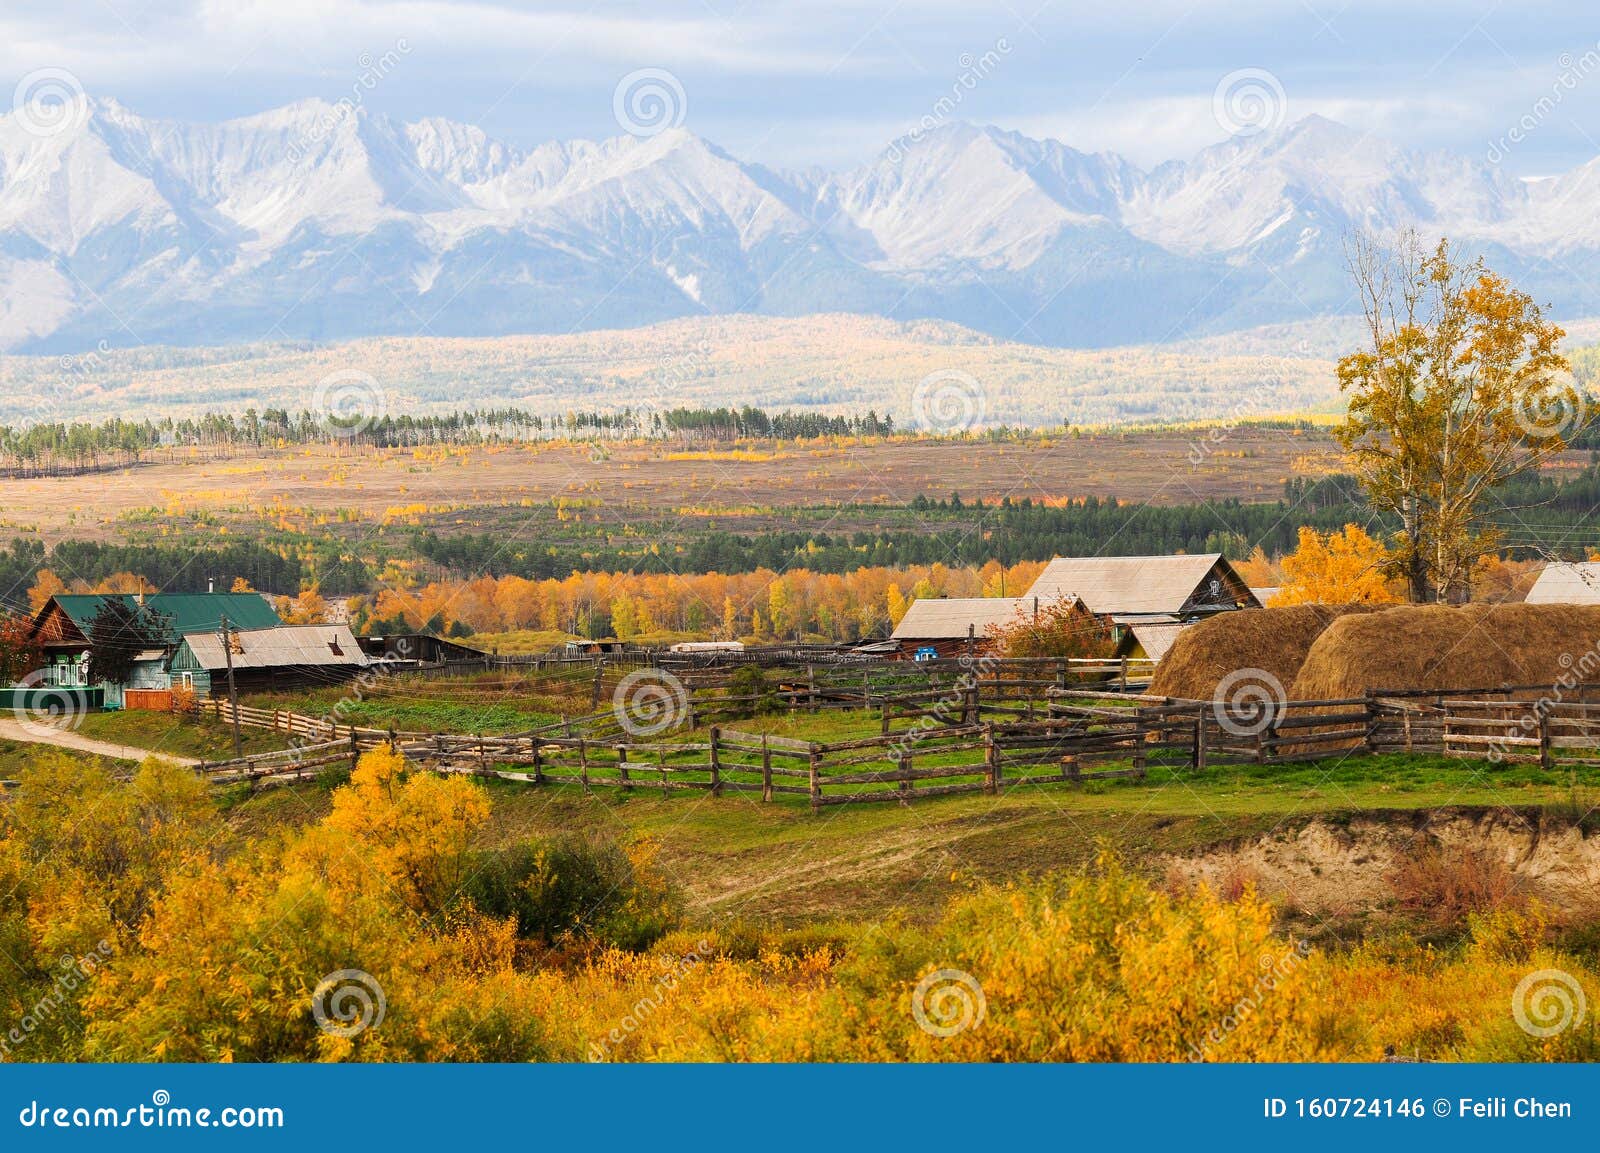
x=316, y=222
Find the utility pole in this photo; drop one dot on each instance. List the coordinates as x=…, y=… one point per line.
x=233, y=696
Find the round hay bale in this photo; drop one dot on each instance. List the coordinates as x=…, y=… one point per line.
x=1275, y=640
x=1449, y=647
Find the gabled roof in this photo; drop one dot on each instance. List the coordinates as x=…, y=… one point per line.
x=1135, y=585
x=1156, y=637
x=184, y=612
x=1563, y=583
x=949, y=618
x=288, y=646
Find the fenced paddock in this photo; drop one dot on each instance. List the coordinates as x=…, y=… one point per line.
x=973, y=744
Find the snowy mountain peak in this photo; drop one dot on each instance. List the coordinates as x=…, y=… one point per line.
x=327, y=220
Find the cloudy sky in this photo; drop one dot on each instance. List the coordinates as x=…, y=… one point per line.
x=830, y=81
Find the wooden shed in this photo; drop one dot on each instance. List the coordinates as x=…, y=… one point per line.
x=953, y=626
x=268, y=658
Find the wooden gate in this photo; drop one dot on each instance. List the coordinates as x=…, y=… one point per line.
x=159, y=700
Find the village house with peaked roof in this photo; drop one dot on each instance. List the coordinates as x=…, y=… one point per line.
x=62, y=626
x=269, y=658
x=1148, y=600
x=952, y=626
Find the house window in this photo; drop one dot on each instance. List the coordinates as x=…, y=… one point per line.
x=186, y=680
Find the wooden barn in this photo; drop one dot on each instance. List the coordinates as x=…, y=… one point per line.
x=270, y=658
x=953, y=626
x=417, y=648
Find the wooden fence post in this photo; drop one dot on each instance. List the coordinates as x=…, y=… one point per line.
x=716, y=762
x=1546, y=757
x=1200, y=740
x=1139, y=751
x=622, y=768
x=355, y=750
x=538, y=761
x=583, y=763
x=816, y=784
x=766, y=769
x=991, y=761
x=904, y=787
x=594, y=692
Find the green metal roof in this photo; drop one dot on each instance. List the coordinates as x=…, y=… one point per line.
x=185, y=612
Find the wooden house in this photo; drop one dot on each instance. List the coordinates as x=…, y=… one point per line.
x=269, y=658
x=62, y=627
x=953, y=626
x=1147, y=599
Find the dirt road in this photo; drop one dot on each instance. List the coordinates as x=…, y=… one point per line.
x=13, y=730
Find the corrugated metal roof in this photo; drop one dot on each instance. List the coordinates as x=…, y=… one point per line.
x=1127, y=584
x=184, y=612
x=1567, y=584
x=286, y=647
x=944, y=618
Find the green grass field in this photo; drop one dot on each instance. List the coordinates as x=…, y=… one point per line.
x=737, y=856
x=490, y=703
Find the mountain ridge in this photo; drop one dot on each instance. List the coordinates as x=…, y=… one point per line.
x=312, y=221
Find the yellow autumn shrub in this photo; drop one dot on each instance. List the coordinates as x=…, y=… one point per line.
x=365, y=936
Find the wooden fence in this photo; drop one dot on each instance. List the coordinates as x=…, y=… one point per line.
x=984, y=746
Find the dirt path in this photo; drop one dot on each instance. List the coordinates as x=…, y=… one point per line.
x=11, y=730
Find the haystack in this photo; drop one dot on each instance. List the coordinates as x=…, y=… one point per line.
x=1445, y=647
x=1276, y=640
